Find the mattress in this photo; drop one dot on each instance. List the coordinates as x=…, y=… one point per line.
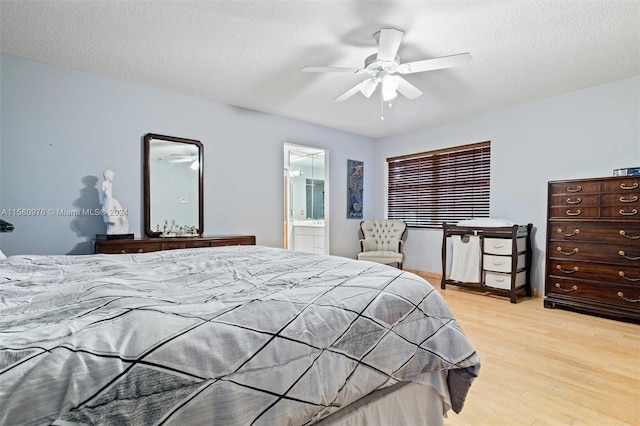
x=226, y=335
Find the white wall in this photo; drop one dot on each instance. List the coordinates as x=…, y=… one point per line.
x=581, y=134
x=62, y=128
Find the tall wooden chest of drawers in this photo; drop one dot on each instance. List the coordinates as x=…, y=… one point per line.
x=593, y=246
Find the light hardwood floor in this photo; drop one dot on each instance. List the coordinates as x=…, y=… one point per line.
x=545, y=366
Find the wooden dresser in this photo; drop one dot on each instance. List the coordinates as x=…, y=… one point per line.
x=593, y=246
x=144, y=245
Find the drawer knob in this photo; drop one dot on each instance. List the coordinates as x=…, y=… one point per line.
x=567, y=271
x=139, y=250
x=578, y=200
x=576, y=213
x=568, y=253
x=624, y=234
x=621, y=294
x=631, y=213
x=576, y=189
x=629, y=200
x=575, y=232
x=623, y=254
x=624, y=186
x=621, y=273
x=123, y=251
x=572, y=289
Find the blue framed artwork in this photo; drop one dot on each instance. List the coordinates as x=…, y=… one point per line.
x=355, y=176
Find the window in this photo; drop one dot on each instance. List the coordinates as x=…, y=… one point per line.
x=446, y=185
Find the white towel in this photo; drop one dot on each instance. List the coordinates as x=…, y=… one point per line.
x=465, y=260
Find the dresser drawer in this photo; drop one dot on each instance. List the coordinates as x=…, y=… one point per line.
x=503, y=245
x=234, y=240
x=198, y=244
x=625, y=185
x=570, y=201
x=501, y=263
x=113, y=247
x=620, y=212
x=574, y=188
x=574, y=212
x=174, y=245
x=598, y=291
x=503, y=281
x=628, y=255
x=610, y=232
x=621, y=200
x=619, y=274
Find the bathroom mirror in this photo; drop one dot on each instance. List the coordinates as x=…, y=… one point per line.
x=173, y=186
x=307, y=185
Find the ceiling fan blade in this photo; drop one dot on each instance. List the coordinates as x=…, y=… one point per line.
x=346, y=95
x=435, y=63
x=388, y=44
x=333, y=69
x=407, y=89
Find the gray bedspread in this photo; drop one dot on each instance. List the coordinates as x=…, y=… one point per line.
x=221, y=336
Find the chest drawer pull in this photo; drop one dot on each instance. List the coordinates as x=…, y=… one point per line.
x=621, y=273
x=123, y=251
x=621, y=294
x=576, y=213
x=139, y=250
x=572, y=289
x=634, y=186
x=576, y=189
x=629, y=200
x=567, y=271
x=578, y=200
x=568, y=253
x=624, y=234
x=623, y=254
x=575, y=232
x=631, y=213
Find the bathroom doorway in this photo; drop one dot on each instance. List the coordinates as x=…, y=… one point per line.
x=306, y=195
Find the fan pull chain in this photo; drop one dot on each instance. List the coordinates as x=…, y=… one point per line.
x=381, y=106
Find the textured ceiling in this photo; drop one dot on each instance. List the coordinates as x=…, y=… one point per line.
x=250, y=53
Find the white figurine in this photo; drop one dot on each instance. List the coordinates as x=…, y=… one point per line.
x=114, y=215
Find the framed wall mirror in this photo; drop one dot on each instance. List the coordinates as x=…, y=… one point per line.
x=173, y=186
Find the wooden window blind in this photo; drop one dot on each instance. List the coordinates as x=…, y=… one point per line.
x=446, y=185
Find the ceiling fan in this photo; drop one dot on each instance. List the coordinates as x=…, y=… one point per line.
x=381, y=69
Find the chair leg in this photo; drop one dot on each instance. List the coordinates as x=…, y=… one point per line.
x=400, y=265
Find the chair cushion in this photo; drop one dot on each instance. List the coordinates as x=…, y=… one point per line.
x=385, y=257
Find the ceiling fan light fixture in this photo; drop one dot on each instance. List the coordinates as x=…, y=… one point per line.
x=367, y=87
x=389, y=87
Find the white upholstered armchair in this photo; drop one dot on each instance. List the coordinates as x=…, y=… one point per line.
x=382, y=240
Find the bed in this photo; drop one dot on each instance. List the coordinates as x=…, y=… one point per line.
x=242, y=335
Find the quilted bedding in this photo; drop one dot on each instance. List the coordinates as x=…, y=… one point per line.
x=225, y=336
